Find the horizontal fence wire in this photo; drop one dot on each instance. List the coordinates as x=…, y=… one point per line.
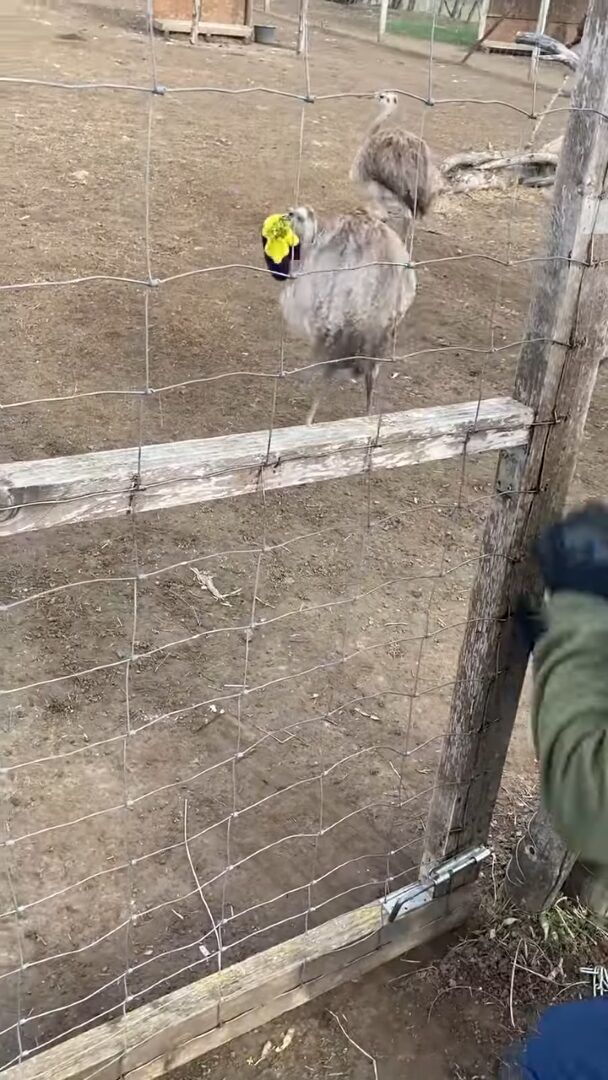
x=143, y=941
x=274, y=375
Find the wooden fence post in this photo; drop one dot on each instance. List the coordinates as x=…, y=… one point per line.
x=302, y=27
x=566, y=337
x=382, y=19
x=541, y=24
x=483, y=18
x=196, y=18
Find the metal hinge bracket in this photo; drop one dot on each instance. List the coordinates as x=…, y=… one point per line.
x=443, y=879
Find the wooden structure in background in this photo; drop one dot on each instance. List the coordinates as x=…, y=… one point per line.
x=216, y=18
x=505, y=18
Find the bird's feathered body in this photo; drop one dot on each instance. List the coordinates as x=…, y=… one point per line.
x=354, y=283
x=346, y=308
x=394, y=167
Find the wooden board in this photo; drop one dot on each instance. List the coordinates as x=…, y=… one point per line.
x=175, y=1029
x=62, y=490
x=224, y=12
x=506, y=47
x=559, y=19
x=180, y=26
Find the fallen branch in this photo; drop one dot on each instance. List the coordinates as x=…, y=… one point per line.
x=480, y=170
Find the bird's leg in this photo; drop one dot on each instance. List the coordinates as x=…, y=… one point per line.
x=313, y=409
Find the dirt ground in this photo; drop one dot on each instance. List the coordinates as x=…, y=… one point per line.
x=322, y=772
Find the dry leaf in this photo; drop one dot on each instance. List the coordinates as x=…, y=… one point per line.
x=267, y=1047
x=206, y=582
x=287, y=1040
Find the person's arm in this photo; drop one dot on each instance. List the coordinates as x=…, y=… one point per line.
x=570, y=720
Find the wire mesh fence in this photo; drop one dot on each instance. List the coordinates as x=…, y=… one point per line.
x=222, y=724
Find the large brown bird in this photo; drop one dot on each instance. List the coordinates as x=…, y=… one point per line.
x=394, y=167
x=351, y=288
x=353, y=283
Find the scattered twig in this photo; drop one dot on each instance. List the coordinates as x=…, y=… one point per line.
x=200, y=890
x=267, y=1047
x=206, y=582
x=355, y=1044
x=396, y=771
x=187, y=603
x=259, y=600
x=570, y=986
x=493, y=872
x=513, y=982
x=537, y=974
x=368, y=715
x=285, y=1041
x=446, y=990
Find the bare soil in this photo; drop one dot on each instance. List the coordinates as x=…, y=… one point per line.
x=327, y=763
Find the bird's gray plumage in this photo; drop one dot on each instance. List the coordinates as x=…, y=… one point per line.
x=393, y=166
x=354, y=284
x=346, y=308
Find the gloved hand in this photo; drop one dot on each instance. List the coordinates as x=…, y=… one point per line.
x=573, y=553
x=529, y=622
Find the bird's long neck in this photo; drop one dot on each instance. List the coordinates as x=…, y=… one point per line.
x=383, y=115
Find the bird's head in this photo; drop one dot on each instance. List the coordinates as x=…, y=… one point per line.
x=387, y=100
x=303, y=221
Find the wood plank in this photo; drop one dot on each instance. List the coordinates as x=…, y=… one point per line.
x=567, y=335
x=506, y=47
x=171, y=9
x=211, y=29
x=182, y=1025
x=348, y=972
x=64, y=490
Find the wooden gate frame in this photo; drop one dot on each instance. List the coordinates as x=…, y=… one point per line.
x=155, y=1038
x=538, y=435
